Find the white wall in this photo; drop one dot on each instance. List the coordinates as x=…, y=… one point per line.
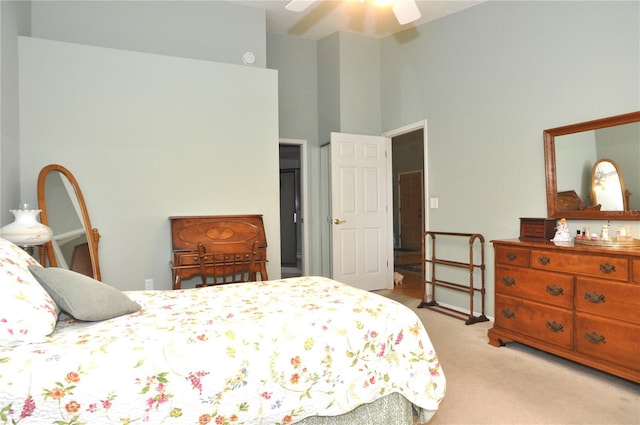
x=489, y=80
x=359, y=85
x=150, y=136
x=212, y=30
x=14, y=20
x=296, y=60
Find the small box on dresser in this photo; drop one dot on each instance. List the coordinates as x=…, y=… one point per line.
x=537, y=229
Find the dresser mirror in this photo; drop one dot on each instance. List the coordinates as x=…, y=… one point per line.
x=572, y=153
x=74, y=244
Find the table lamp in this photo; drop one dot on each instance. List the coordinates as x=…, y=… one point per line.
x=26, y=231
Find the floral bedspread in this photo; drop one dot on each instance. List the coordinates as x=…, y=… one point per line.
x=251, y=353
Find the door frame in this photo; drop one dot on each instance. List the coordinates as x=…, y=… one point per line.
x=304, y=195
x=425, y=184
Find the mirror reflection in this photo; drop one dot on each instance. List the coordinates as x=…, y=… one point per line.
x=607, y=187
x=578, y=153
x=575, y=178
x=74, y=242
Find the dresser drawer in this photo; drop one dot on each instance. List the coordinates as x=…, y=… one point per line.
x=187, y=258
x=548, y=287
x=608, y=267
x=607, y=298
x=636, y=271
x=512, y=255
x=608, y=340
x=551, y=325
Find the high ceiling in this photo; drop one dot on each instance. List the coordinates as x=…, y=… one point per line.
x=325, y=17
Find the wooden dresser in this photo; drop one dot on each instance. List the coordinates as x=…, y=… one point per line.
x=579, y=302
x=221, y=233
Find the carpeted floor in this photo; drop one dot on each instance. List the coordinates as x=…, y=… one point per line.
x=517, y=384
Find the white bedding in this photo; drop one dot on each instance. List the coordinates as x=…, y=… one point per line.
x=252, y=353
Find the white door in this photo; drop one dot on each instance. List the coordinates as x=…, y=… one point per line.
x=361, y=246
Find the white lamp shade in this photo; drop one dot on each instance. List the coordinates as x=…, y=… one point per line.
x=26, y=230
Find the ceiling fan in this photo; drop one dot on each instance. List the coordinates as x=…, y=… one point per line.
x=405, y=11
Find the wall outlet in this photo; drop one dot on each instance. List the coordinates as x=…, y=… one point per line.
x=148, y=284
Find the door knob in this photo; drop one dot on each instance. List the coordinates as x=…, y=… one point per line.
x=338, y=221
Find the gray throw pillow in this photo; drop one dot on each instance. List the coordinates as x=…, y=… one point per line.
x=82, y=297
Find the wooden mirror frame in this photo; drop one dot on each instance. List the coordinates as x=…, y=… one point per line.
x=93, y=236
x=550, y=169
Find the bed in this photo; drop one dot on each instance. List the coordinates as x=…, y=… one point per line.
x=306, y=350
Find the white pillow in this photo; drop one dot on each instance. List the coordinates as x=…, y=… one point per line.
x=27, y=312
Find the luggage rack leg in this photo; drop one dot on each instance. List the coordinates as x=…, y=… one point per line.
x=469, y=288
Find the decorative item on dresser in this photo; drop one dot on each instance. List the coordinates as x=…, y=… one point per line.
x=204, y=245
x=537, y=229
x=578, y=302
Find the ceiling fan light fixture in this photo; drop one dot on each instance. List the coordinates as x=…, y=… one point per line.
x=299, y=5
x=406, y=11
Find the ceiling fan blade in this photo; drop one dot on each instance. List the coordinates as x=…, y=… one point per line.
x=406, y=11
x=299, y=5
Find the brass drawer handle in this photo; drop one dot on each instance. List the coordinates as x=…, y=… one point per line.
x=508, y=281
x=555, y=326
x=594, y=297
x=555, y=290
x=594, y=338
x=509, y=314
x=607, y=268
x=544, y=260
x=511, y=256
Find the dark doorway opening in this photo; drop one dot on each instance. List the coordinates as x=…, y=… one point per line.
x=290, y=211
x=408, y=210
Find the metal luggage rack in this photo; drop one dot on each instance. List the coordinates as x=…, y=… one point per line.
x=469, y=287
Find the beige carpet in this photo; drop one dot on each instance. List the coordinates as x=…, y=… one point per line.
x=517, y=384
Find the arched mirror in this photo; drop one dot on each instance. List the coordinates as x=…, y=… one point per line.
x=571, y=155
x=607, y=187
x=74, y=244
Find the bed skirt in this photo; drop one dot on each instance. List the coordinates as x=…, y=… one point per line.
x=392, y=409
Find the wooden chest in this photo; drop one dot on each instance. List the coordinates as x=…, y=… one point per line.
x=220, y=233
x=581, y=303
x=537, y=229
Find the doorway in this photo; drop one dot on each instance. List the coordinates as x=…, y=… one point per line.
x=289, y=213
x=409, y=221
x=418, y=128
x=292, y=207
